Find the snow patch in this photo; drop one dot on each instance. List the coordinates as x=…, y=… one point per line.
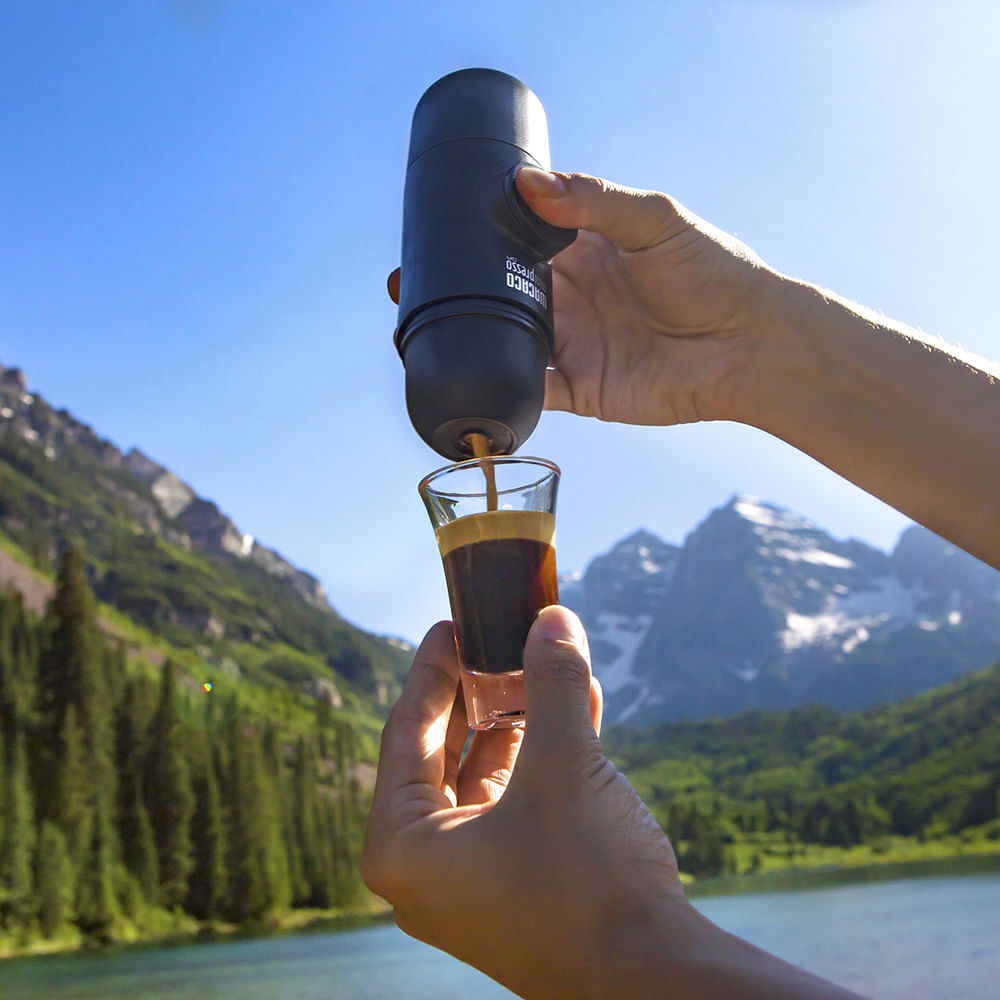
x=816, y=557
x=852, y=642
x=751, y=509
x=850, y=617
x=634, y=705
x=625, y=633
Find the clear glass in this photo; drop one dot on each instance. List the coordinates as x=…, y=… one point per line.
x=494, y=519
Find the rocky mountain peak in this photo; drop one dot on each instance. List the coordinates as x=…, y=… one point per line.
x=157, y=499
x=762, y=608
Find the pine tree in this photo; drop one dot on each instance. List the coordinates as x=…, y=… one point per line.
x=72, y=671
x=72, y=685
x=18, y=839
x=54, y=881
x=313, y=889
x=169, y=798
x=248, y=895
x=209, y=879
x=18, y=663
x=279, y=820
x=258, y=868
x=135, y=829
x=96, y=903
x=70, y=794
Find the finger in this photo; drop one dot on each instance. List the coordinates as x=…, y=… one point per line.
x=631, y=218
x=557, y=681
x=454, y=743
x=392, y=286
x=487, y=767
x=413, y=741
x=596, y=704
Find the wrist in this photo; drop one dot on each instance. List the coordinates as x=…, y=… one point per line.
x=643, y=947
x=785, y=350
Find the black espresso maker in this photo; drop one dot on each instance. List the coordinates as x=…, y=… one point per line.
x=475, y=298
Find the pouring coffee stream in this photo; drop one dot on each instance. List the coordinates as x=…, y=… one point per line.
x=480, y=445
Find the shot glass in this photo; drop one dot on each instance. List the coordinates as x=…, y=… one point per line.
x=495, y=523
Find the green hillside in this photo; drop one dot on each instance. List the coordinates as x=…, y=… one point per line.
x=811, y=786
x=60, y=484
x=188, y=730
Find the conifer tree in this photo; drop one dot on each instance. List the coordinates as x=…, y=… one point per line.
x=53, y=881
x=258, y=866
x=248, y=895
x=312, y=891
x=279, y=820
x=135, y=829
x=72, y=670
x=18, y=662
x=75, y=719
x=17, y=846
x=114, y=662
x=96, y=903
x=169, y=798
x=209, y=879
x=69, y=797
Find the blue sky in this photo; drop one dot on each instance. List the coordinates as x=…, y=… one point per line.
x=199, y=203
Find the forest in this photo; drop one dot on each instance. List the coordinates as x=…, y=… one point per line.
x=815, y=787
x=136, y=801
x=140, y=801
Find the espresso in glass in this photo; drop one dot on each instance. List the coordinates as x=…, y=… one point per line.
x=500, y=566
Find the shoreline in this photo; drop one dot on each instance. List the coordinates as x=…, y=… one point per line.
x=827, y=876
x=374, y=911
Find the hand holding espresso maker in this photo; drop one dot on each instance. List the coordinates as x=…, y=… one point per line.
x=475, y=302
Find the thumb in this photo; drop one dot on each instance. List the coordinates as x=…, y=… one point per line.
x=557, y=684
x=630, y=218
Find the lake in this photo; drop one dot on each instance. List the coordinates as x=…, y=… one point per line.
x=927, y=938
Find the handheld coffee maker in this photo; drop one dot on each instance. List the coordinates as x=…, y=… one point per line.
x=475, y=303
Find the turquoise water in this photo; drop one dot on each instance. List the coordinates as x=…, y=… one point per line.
x=931, y=938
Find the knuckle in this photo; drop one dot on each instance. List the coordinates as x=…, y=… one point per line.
x=565, y=668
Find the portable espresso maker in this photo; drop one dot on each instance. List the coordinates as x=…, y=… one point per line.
x=475, y=300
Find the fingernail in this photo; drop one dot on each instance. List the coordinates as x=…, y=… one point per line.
x=541, y=182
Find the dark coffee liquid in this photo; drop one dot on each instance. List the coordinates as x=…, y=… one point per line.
x=501, y=570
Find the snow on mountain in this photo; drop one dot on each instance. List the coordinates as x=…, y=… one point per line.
x=762, y=608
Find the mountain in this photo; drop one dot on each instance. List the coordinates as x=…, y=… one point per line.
x=762, y=609
x=171, y=561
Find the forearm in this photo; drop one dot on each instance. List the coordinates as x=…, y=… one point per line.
x=905, y=418
x=681, y=955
